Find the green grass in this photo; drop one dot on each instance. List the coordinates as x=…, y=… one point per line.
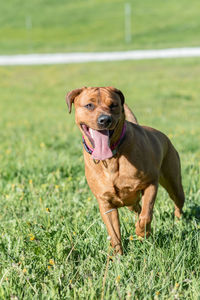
x=47, y=211
x=94, y=25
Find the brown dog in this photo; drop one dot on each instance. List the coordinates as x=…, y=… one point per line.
x=124, y=162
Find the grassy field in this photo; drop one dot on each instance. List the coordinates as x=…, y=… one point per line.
x=53, y=244
x=94, y=25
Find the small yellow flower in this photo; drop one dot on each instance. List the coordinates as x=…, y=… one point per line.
x=117, y=279
x=74, y=233
x=89, y=198
x=42, y=145
x=170, y=135
x=8, y=151
x=47, y=209
x=131, y=238
x=22, y=196
x=70, y=281
x=7, y=196
x=6, y=278
x=24, y=270
x=176, y=285
x=49, y=267
x=32, y=237
x=157, y=293
x=30, y=181
x=51, y=262
x=57, y=186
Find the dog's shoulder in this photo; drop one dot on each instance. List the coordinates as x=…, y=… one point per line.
x=146, y=137
x=155, y=132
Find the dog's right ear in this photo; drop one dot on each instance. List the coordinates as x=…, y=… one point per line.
x=71, y=96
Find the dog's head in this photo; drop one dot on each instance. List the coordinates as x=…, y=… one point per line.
x=99, y=113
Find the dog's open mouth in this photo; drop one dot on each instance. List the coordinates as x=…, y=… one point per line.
x=100, y=140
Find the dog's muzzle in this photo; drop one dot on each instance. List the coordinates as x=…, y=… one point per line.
x=104, y=121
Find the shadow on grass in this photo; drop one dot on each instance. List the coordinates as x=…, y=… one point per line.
x=193, y=211
x=163, y=239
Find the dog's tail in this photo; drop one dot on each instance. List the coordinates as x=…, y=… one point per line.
x=130, y=115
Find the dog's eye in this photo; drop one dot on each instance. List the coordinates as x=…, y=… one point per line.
x=89, y=106
x=113, y=105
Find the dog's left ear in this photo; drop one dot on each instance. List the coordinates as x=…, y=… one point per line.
x=119, y=93
x=71, y=96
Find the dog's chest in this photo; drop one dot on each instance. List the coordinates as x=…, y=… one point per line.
x=120, y=186
x=115, y=182
x=121, y=191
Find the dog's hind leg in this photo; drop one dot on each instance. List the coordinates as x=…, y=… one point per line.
x=130, y=115
x=170, y=179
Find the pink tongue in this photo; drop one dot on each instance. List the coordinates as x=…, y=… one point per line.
x=101, y=142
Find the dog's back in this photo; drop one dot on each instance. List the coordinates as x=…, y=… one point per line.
x=129, y=114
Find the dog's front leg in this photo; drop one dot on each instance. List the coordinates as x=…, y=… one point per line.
x=143, y=226
x=110, y=217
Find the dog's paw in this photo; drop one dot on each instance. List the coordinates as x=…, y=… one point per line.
x=140, y=238
x=143, y=230
x=118, y=250
x=178, y=213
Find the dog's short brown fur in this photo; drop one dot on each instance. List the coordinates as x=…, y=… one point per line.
x=144, y=158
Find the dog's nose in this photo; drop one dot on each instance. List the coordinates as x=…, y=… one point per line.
x=104, y=120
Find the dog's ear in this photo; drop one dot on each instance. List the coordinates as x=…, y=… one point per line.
x=71, y=96
x=119, y=93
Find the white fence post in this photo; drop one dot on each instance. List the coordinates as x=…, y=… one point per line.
x=127, y=17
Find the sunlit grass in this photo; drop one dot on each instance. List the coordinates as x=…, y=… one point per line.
x=53, y=244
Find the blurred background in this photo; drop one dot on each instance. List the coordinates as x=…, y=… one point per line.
x=41, y=26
